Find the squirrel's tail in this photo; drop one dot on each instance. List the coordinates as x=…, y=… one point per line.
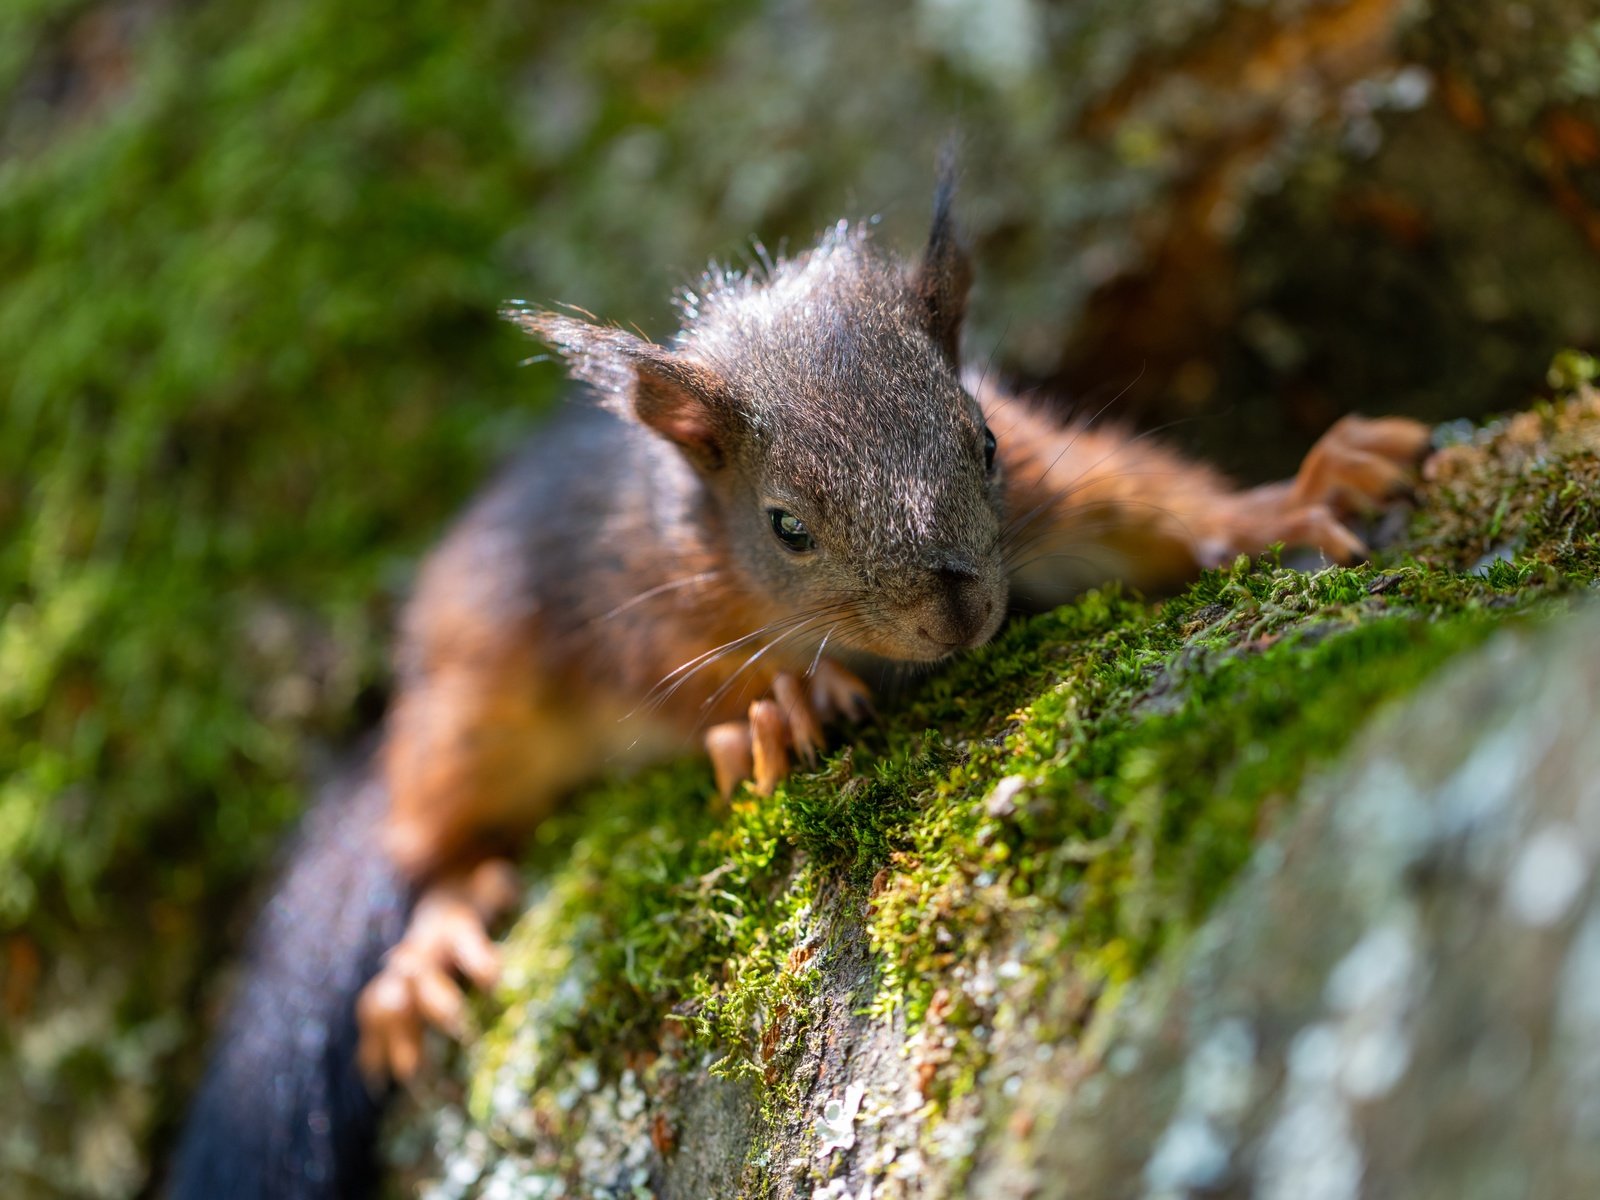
x=283, y=1112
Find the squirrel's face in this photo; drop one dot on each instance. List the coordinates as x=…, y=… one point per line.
x=879, y=527
x=861, y=491
x=851, y=474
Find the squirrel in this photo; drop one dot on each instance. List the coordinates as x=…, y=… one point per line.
x=801, y=484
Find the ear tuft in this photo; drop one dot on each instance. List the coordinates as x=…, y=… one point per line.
x=679, y=399
x=944, y=276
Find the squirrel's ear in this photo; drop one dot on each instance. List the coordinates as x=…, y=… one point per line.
x=682, y=401
x=942, y=279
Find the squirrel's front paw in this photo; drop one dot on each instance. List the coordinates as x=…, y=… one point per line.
x=792, y=718
x=1359, y=463
x=447, y=937
x=1352, y=470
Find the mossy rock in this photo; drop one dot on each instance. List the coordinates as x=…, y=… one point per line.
x=829, y=989
x=1398, y=996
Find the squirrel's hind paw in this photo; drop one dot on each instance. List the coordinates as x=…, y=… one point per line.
x=447, y=938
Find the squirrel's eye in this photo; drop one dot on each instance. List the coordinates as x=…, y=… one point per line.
x=989, y=447
x=791, y=530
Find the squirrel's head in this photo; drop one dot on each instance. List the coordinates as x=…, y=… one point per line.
x=820, y=401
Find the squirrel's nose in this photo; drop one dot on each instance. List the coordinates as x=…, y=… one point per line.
x=962, y=606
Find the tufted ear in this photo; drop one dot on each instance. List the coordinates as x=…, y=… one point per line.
x=682, y=401
x=944, y=276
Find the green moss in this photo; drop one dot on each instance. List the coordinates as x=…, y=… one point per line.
x=1141, y=776
x=193, y=279
x=671, y=915
x=1537, y=473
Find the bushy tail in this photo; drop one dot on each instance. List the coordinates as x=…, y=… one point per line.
x=283, y=1113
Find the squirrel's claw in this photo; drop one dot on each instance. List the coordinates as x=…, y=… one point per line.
x=1359, y=463
x=1315, y=525
x=799, y=713
x=416, y=987
x=758, y=748
x=390, y=1028
x=769, y=740
x=836, y=691
x=731, y=753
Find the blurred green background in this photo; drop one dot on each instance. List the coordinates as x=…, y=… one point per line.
x=250, y=257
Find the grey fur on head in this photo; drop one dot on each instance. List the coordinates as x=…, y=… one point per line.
x=827, y=386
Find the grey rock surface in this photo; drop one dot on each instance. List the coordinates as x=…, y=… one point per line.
x=1401, y=997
